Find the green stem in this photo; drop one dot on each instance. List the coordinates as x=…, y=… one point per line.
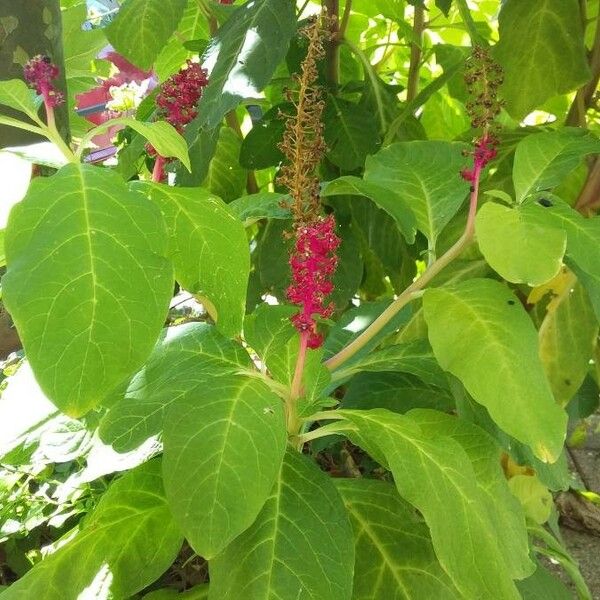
x=332, y=48
x=296, y=388
x=467, y=18
x=370, y=73
x=412, y=86
x=414, y=289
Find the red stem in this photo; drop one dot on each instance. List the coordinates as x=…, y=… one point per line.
x=158, y=173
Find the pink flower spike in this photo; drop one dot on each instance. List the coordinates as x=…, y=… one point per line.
x=39, y=72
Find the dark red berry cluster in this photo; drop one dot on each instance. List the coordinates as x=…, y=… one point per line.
x=39, y=73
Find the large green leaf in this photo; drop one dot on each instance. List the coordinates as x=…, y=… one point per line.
x=142, y=27
x=223, y=450
x=88, y=284
x=300, y=546
x=209, y=249
x=436, y=476
x=243, y=55
x=183, y=363
x=80, y=46
x=125, y=544
x=350, y=132
x=481, y=334
x=202, y=145
x=225, y=177
x=387, y=199
x=543, y=585
x=541, y=50
x=426, y=176
x=543, y=160
x=567, y=340
x=485, y=455
x=394, y=556
x=264, y=205
x=517, y=245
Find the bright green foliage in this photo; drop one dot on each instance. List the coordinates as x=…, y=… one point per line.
x=87, y=270
x=209, y=250
x=478, y=324
x=433, y=194
x=127, y=542
x=183, y=362
x=544, y=159
x=301, y=541
x=517, y=246
x=223, y=449
x=541, y=50
x=142, y=27
x=243, y=55
x=394, y=556
x=17, y=95
x=436, y=476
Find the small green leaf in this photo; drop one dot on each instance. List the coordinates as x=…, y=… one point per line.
x=542, y=52
x=187, y=359
x=351, y=133
x=88, y=284
x=436, y=476
x=389, y=200
x=127, y=542
x=162, y=136
x=243, y=55
x=17, y=95
x=426, y=176
x=209, y=249
x=142, y=28
x=264, y=205
x=543, y=160
x=301, y=543
x=394, y=556
x=223, y=450
x=480, y=333
x=260, y=148
x=543, y=585
x=517, y=245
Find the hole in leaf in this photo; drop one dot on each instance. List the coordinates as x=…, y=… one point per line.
x=545, y=202
x=511, y=302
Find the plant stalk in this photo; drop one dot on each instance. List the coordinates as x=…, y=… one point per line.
x=416, y=46
x=159, y=169
x=414, y=289
x=296, y=388
x=332, y=48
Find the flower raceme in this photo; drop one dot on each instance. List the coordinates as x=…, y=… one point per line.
x=483, y=153
x=313, y=263
x=39, y=72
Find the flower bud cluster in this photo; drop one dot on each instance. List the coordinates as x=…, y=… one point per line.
x=39, y=72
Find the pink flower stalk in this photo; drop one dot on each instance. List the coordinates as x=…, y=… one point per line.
x=313, y=263
x=484, y=152
x=39, y=72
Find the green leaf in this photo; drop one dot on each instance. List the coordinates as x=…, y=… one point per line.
x=533, y=495
x=543, y=160
x=209, y=249
x=88, y=284
x=187, y=359
x=398, y=392
x=435, y=475
x=351, y=133
x=485, y=455
x=198, y=592
x=127, y=542
x=223, y=450
x=517, y=245
x=583, y=246
x=15, y=94
x=81, y=46
x=567, y=340
x=163, y=136
x=394, y=556
x=264, y=205
x=415, y=358
x=260, y=148
x=142, y=28
x=543, y=585
x=299, y=546
x=387, y=199
x=426, y=176
x=225, y=177
x=243, y=55
x=202, y=145
x=542, y=52
x=480, y=333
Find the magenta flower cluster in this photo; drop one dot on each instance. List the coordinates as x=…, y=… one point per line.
x=39, y=73
x=180, y=94
x=484, y=152
x=313, y=263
